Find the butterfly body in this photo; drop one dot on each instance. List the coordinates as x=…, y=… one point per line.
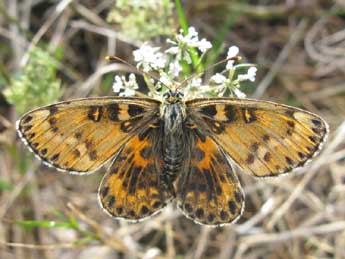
x=176, y=149
x=172, y=121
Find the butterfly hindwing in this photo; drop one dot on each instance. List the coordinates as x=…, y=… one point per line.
x=132, y=188
x=81, y=135
x=208, y=190
x=263, y=138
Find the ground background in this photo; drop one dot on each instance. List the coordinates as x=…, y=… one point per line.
x=299, y=47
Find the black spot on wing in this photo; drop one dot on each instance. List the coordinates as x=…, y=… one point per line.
x=93, y=155
x=267, y=156
x=78, y=135
x=254, y=147
x=105, y=191
x=199, y=213
x=144, y=210
x=55, y=157
x=290, y=113
x=27, y=119
x=95, y=113
x=134, y=110
x=250, y=159
x=209, y=110
x=119, y=210
x=44, y=151
x=52, y=110
x=232, y=207
x=289, y=160
x=266, y=138
x=291, y=124
x=111, y=201
x=316, y=122
x=230, y=112
x=249, y=115
x=113, y=112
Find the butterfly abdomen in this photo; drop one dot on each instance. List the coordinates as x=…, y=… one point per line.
x=173, y=155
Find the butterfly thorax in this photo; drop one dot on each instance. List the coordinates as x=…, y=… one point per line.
x=173, y=112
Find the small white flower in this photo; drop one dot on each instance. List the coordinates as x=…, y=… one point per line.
x=149, y=58
x=203, y=45
x=127, y=92
x=125, y=87
x=249, y=76
x=175, y=68
x=190, y=38
x=232, y=52
x=117, y=85
x=252, y=73
x=196, y=82
x=218, y=79
x=239, y=93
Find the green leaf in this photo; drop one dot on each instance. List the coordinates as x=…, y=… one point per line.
x=5, y=186
x=29, y=224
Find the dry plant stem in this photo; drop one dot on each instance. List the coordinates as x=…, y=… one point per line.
x=228, y=247
x=16, y=191
x=169, y=233
x=281, y=59
x=110, y=34
x=44, y=28
x=247, y=242
x=202, y=242
x=337, y=139
x=16, y=40
x=58, y=35
x=89, y=15
x=38, y=247
x=89, y=84
x=99, y=23
x=327, y=92
x=111, y=241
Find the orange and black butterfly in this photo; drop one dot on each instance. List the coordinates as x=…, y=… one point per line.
x=173, y=149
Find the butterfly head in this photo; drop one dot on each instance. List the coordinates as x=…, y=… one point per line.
x=173, y=95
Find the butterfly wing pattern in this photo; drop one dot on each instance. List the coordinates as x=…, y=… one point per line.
x=263, y=138
x=131, y=189
x=208, y=190
x=79, y=136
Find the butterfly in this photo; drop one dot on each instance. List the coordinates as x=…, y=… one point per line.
x=174, y=149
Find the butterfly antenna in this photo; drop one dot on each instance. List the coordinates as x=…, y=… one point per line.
x=196, y=74
x=116, y=58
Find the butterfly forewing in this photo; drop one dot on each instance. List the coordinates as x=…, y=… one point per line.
x=81, y=135
x=263, y=138
x=208, y=191
x=132, y=188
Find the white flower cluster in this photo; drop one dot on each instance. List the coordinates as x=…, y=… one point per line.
x=124, y=87
x=168, y=66
x=183, y=42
